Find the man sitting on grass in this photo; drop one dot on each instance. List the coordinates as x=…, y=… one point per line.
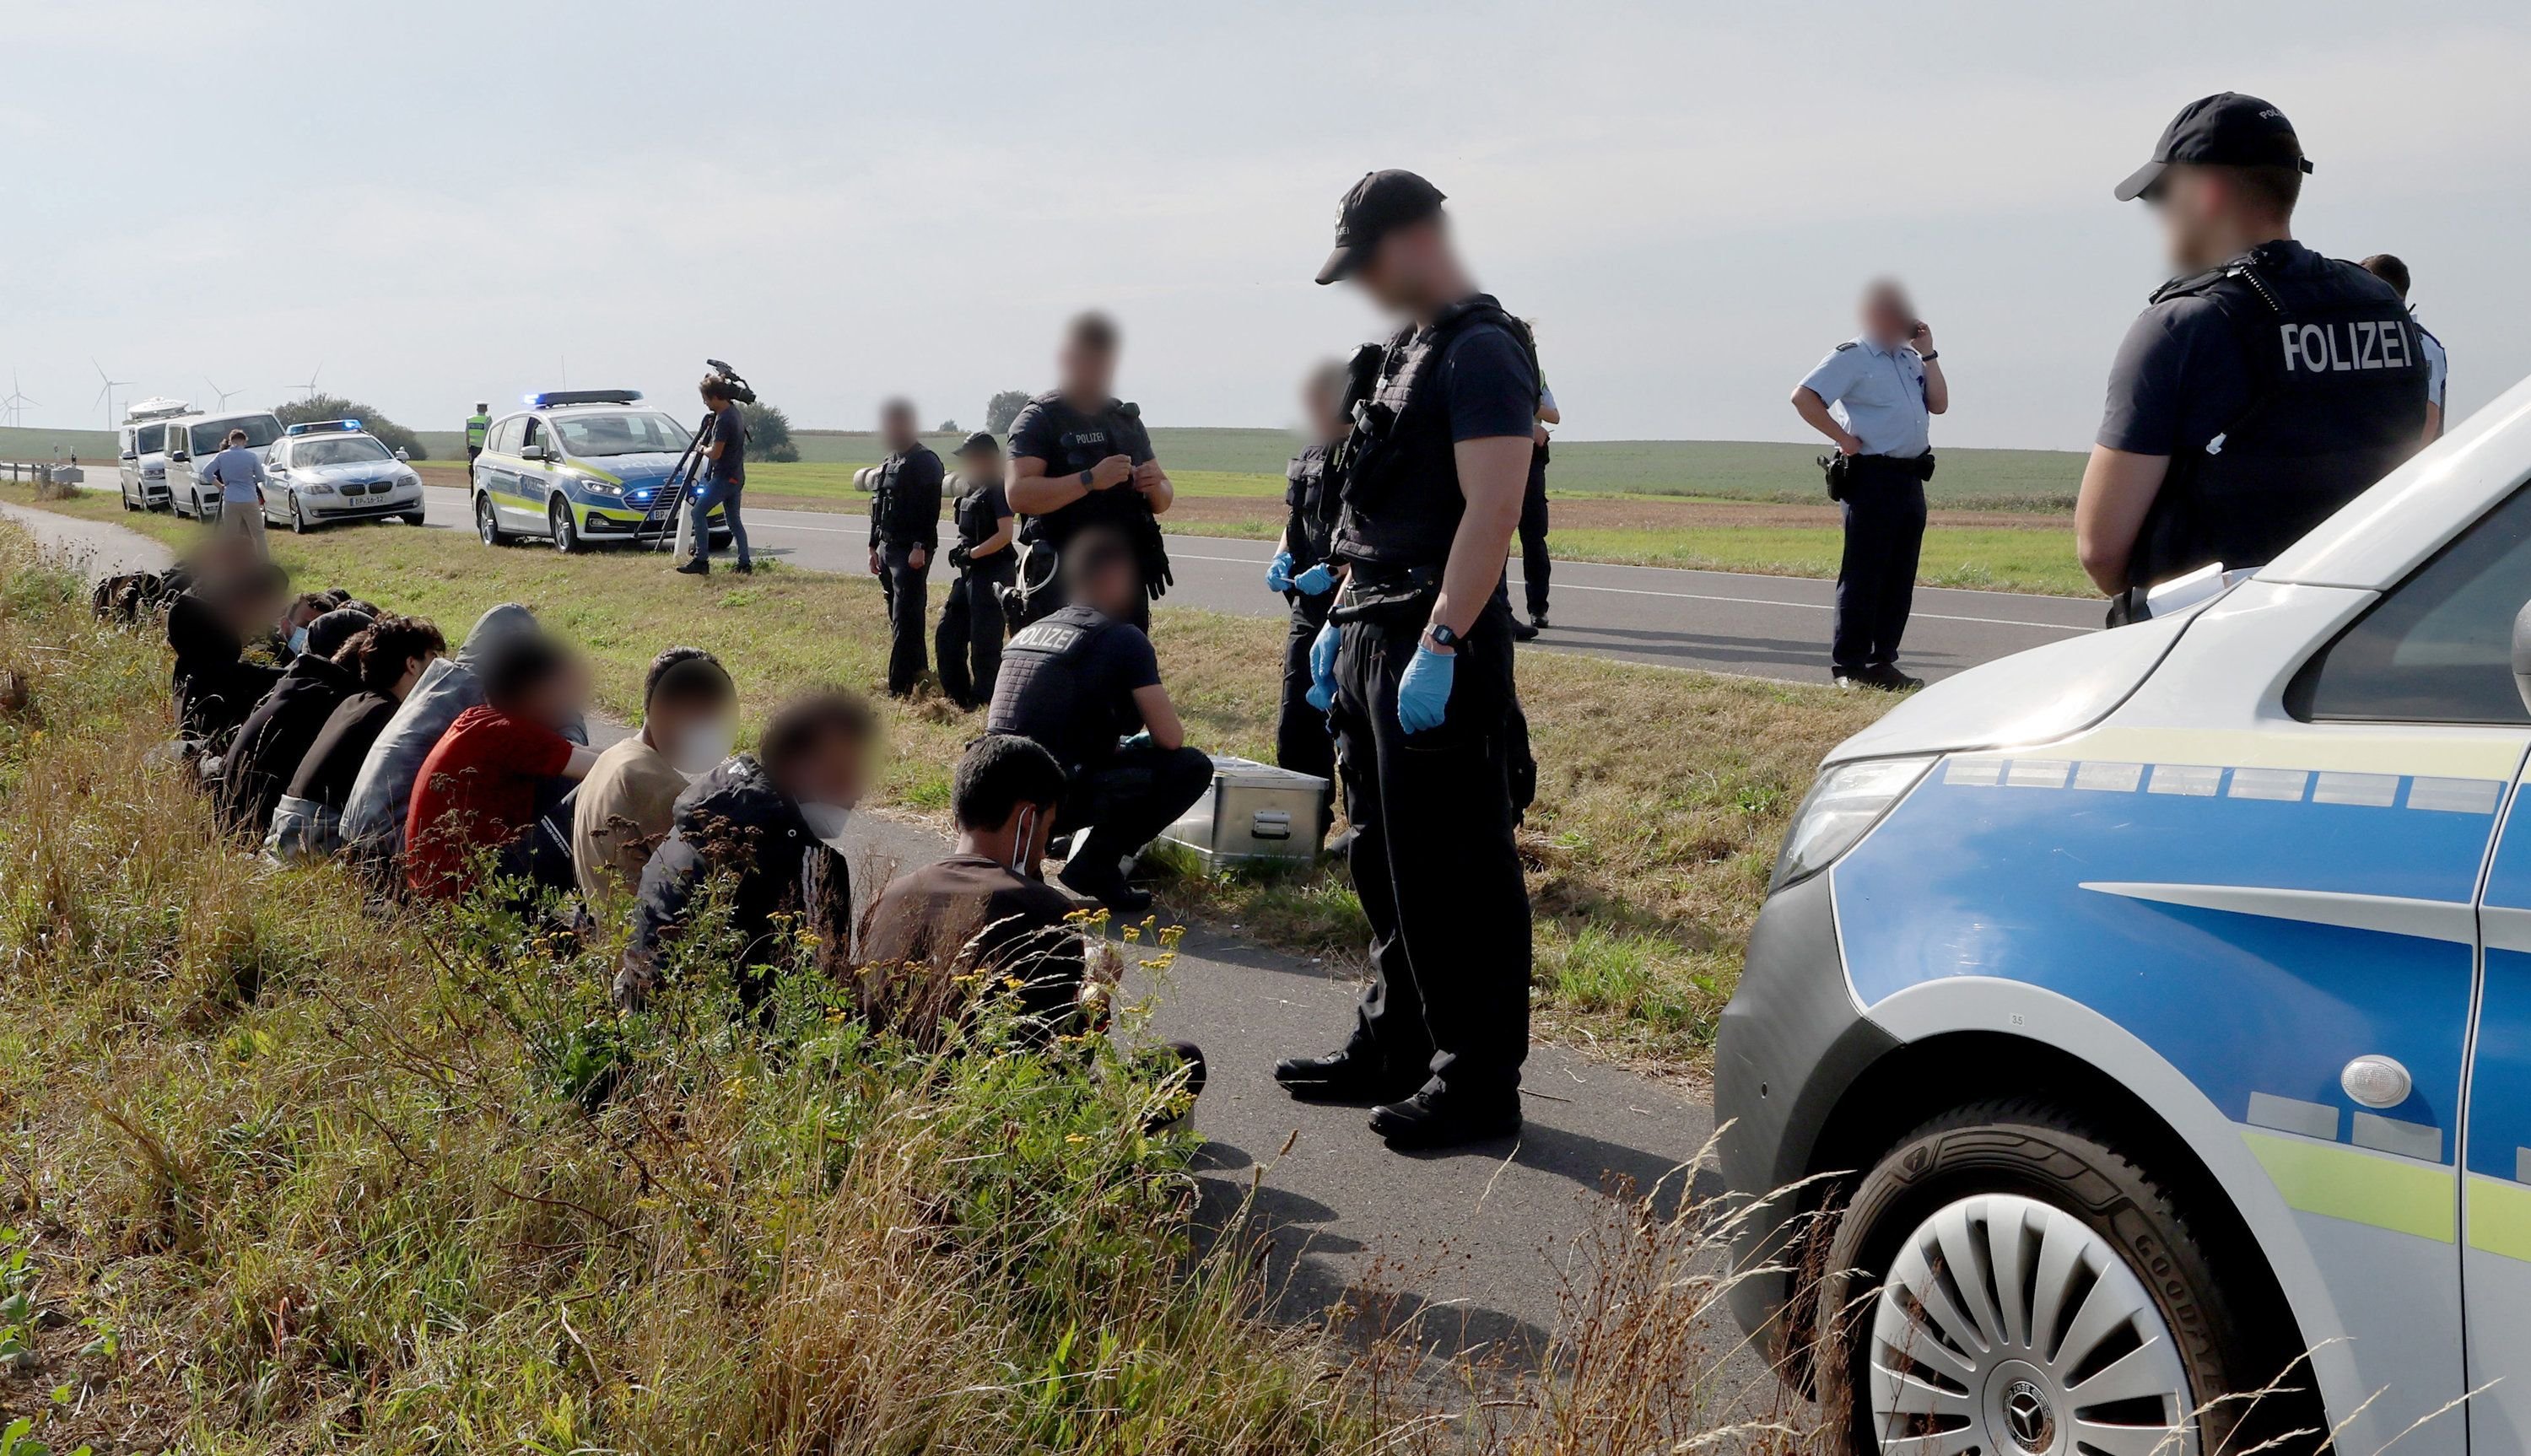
x=1077, y=682
x=629, y=801
x=773, y=821
x=209, y=627
x=277, y=733
x=480, y=788
x=388, y=656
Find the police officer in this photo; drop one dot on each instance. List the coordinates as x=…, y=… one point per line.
x=985, y=556
x=1417, y=664
x=1080, y=457
x=1872, y=395
x=1301, y=573
x=905, y=529
x=476, y=428
x=2391, y=270
x=1536, y=565
x=2258, y=392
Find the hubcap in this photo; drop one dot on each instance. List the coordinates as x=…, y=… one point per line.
x=484, y=521
x=2010, y=1327
x=562, y=528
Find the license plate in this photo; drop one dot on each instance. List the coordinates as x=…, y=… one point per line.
x=658, y=513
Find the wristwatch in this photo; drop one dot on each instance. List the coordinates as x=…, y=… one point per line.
x=1441, y=636
x=1930, y=355
x=1086, y=479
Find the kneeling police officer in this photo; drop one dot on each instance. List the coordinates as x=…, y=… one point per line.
x=2258, y=393
x=1415, y=664
x=968, y=643
x=1080, y=457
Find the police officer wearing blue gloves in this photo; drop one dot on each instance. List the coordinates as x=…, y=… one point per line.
x=1416, y=665
x=1301, y=573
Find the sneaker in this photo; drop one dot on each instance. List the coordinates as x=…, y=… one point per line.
x=1889, y=679
x=699, y=567
x=745, y=568
x=1429, y=1120
x=1523, y=632
x=1342, y=1076
x=1105, y=884
x=1538, y=620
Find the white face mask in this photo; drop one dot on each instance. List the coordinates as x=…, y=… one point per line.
x=826, y=821
x=299, y=639
x=700, y=748
x=1020, y=847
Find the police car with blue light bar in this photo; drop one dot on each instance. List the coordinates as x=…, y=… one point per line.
x=579, y=467
x=325, y=471
x=2134, y=1017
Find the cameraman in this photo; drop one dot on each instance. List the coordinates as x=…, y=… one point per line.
x=723, y=478
x=1080, y=457
x=905, y=529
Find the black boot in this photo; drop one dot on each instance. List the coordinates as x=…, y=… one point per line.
x=1096, y=878
x=1344, y=1076
x=1445, y=1120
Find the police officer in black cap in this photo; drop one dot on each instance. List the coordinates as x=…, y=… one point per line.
x=1417, y=665
x=985, y=556
x=2259, y=392
x=905, y=532
x=1080, y=457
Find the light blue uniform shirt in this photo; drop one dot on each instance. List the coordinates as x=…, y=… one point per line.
x=1878, y=394
x=239, y=470
x=2437, y=364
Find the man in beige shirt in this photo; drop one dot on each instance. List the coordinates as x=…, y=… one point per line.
x=624, y=808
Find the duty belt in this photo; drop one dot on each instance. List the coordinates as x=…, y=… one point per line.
x=1370, y=595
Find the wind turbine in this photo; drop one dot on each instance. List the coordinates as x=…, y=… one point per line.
x=311, y=386
x=105, y=391
x=222, y=393
x=16, y=402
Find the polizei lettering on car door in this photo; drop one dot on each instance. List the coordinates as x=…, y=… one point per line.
x=2356, y=344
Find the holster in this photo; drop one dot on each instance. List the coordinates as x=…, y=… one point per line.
x=1400, y=597
x=1834, y=465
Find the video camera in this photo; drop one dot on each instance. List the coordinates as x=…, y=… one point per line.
x=731, y=381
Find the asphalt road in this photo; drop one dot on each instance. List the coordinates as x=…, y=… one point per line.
x=1773, y=626
x=1476, y=1246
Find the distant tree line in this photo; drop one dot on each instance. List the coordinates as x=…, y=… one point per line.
x=334, y=407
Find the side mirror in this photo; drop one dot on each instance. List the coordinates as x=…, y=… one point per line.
x=531, y=452
x=2522, y=653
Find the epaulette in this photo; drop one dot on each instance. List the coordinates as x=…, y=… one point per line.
x=1848, y=344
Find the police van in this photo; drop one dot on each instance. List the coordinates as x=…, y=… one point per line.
x=194, y=440
x=2132, y=1016
x=577, y=468
x=325, y=471
x=141, y=450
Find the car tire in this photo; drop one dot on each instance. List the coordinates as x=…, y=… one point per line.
x=416, y=518
x=298, y=518
x=487, y=524
x=562, y=528
x=2055, y=1216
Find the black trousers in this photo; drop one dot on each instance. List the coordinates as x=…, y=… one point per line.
x=1127, y=800
x=968, y=643
x=1876, y=581
x=903, y=586
x=1535, y=566
x=1433, y=861
x=1302, y=742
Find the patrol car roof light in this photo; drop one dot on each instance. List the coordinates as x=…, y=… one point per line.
x=547, y=399
x=310, y=426
x=1848, y=801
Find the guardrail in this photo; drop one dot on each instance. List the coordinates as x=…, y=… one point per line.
x=40, y=470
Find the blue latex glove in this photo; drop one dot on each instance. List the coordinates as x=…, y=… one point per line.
x=1318, y=581
x=1424, y=690
x=1322, y=669
x=1278, y=572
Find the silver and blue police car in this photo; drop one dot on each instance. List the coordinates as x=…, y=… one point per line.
x=326, y=471
x=579, y=468
x=2135, y=1017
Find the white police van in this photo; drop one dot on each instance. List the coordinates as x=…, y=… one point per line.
x=2154, y=1007
x=141, y=450
x=194, y=440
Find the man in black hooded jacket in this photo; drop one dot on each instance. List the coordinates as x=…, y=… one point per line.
x=206, y=627
x=265, y=753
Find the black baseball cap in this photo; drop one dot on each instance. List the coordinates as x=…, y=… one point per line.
x=979, y=440
x=2224, y=129
x=1382, y=201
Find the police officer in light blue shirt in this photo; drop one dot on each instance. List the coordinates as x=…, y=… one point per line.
x=1873, y=396
x=240, y=475
x=2389, y=269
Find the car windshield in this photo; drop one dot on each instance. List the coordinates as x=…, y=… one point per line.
x=211, y=435
x=148, y=439
x=346, y=450
x=627, y=432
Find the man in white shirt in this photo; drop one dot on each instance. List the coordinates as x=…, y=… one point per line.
x=2389, y=269
x=240, y=475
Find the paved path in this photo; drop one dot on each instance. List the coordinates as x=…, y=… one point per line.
x=1720, y=621
x=1478, y=1240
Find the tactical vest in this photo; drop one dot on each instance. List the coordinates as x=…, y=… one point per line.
x=2338, y=401
x=475, y=429
x=1082, y=440
x=1040, y=665
x=884, y=496
x=1308, y=524
x=1399, y=476
x=972, y=513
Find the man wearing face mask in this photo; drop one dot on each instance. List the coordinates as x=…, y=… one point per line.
x=773, y=821
x=626, y=804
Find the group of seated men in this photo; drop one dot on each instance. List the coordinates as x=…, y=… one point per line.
x=324, y=725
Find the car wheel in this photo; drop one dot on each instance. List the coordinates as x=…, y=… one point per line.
x=416, y=518
x=2014, y=1282
x=565, y=530
x=298, y=518
x=487, y=525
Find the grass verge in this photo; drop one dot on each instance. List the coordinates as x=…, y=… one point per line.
x=1661, y=793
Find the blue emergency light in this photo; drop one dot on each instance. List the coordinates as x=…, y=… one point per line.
x=311, y=426
x=552, y=397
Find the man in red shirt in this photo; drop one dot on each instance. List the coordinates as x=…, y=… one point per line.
x=478, y=788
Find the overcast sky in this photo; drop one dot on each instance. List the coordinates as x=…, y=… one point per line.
x=441, y=202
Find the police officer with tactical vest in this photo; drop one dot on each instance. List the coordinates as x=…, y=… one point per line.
x=2261, y=390
x=985, y=554
x=1416, y=665
x=905, y=529
x=478, y=428
x=1301, y=573
x=1080, y=457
